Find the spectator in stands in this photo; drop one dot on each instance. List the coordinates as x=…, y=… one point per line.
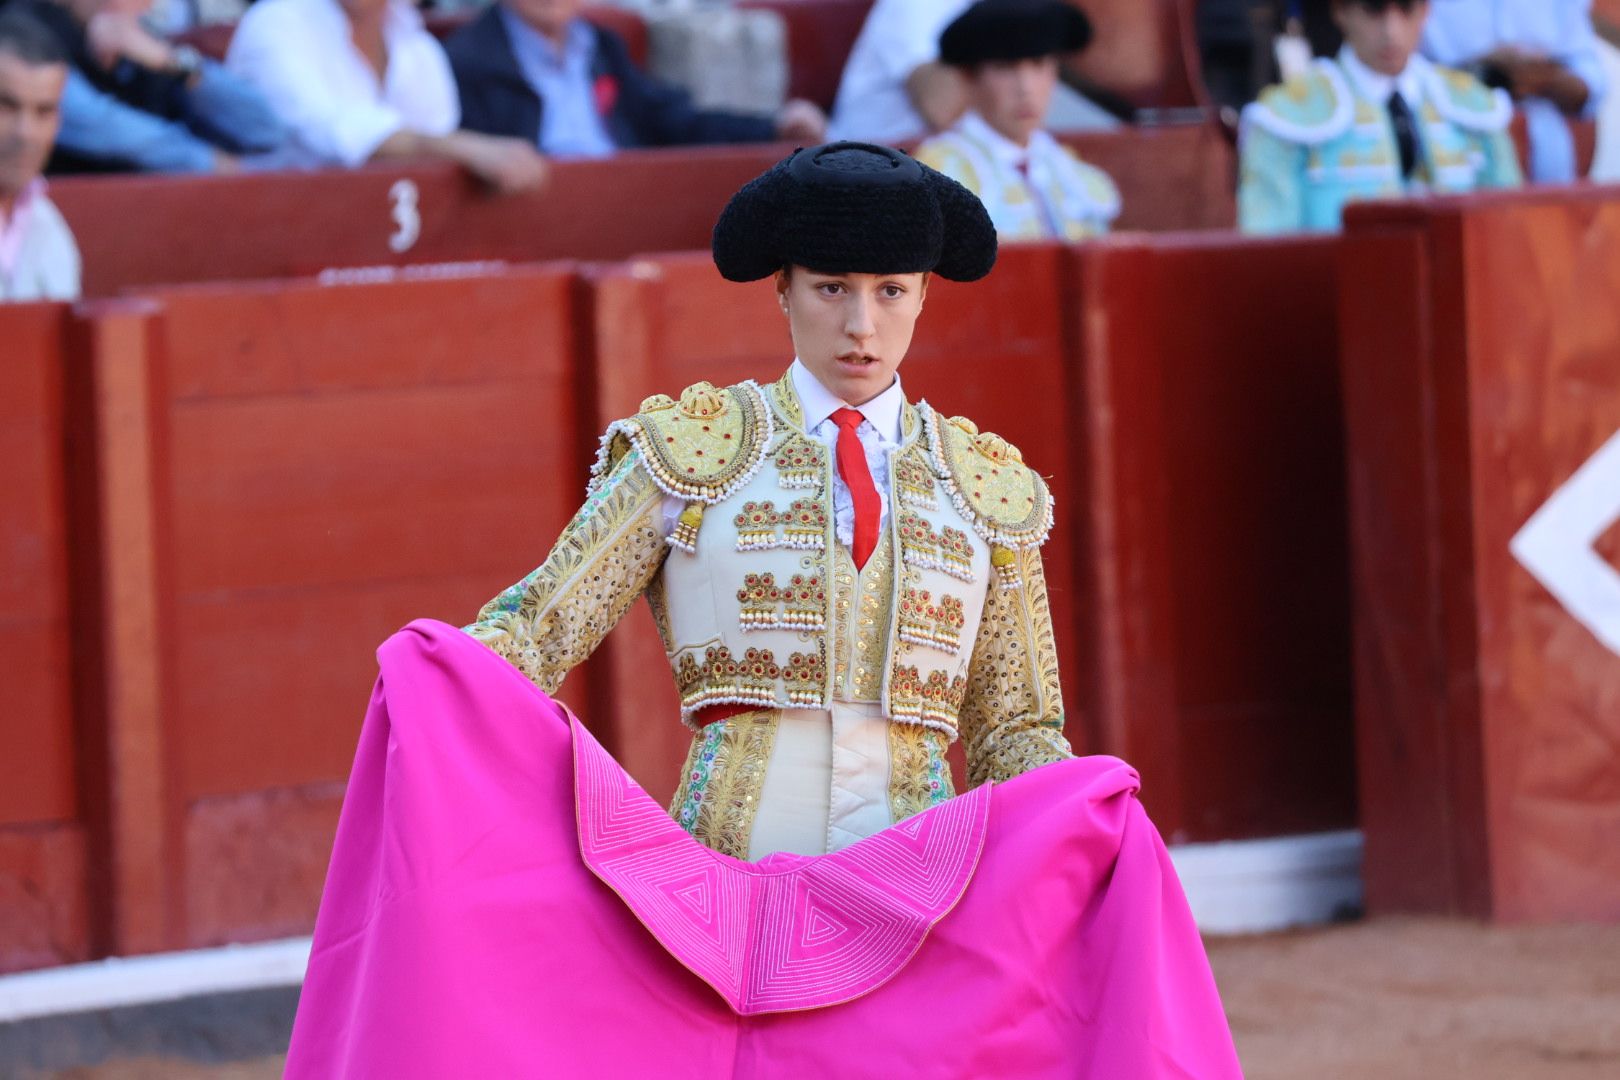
x=135, y=101
x=38, y=258
x=895, y=89
x=1378, y=121
x=534, y=69
x=1034, y=187
x=363, y=80
x=1543, y=52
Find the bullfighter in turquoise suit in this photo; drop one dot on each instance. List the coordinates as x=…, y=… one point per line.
x=1375, y=122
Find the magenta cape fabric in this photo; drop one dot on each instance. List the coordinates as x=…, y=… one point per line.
x=503, y=901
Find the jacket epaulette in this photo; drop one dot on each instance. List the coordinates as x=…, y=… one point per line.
x=1469, y=103
x=701, y=447
x=944, y=155
x=1102, y=194
x=1007, y=502
x=1310, y=109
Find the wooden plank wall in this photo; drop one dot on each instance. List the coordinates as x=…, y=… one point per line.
x=1482, y=384
x=273, y=477
x=1214, y=593
x=43, y=887
x=295, y=225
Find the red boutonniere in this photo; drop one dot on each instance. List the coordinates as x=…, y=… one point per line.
x=606, y=88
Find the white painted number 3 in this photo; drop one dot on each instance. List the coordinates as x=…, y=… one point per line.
x=407, y=218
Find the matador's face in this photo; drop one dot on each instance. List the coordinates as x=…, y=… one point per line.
x=851, y=330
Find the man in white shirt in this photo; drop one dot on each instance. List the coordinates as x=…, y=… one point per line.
x=1543, y=52
x=38, y=258
x=362, y=80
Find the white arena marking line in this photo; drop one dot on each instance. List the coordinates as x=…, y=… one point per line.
x=1556, y=544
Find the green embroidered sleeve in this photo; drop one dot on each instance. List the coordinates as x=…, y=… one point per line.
x=553, y=619
x=1012, y=716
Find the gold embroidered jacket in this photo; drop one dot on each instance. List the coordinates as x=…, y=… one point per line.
x=759, y=605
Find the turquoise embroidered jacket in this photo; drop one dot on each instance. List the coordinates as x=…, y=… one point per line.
x=1316, y=142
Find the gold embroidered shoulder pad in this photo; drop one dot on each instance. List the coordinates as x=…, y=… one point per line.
x=1005, y=500
x=1467, y=102
x=1311, y=109
x=700, y=448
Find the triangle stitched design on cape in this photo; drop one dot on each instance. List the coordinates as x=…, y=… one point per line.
x=818, y=932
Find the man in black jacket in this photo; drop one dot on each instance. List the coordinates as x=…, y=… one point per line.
x=534, y=69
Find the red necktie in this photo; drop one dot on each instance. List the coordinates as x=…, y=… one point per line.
x=858, y=476
x=1048, y=218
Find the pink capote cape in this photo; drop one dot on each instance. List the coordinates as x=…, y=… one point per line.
x=504, y=901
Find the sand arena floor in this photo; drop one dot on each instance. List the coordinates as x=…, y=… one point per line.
x=1390, y=999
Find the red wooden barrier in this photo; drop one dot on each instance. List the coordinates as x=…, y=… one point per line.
x=138, y=231
x=273, y=478
x=1212, y=582
x=1172, y=178
x=43, y=888
x=289, y=474
x=1480, y=361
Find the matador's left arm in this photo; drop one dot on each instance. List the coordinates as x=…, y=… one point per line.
x=1012, y=715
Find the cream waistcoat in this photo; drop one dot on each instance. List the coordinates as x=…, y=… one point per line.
x=754, y=608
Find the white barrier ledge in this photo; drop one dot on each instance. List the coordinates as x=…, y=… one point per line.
x=1234, y=887
x=144, y=980
x=1258, y=886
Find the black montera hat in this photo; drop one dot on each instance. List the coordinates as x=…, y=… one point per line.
x=1013, y=30
x=851, y=207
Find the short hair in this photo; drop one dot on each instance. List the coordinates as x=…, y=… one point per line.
x=28, y=39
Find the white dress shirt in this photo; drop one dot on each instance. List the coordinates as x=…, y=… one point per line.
x=1033, y=192
x=898, y=37
x=39, y=259
x=301, y=56
x=1460, y=32
x=1376, y=86
x=879, y=433
x=570, y=124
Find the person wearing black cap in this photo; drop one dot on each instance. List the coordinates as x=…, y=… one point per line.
x=1033, y=187
x=845, y=581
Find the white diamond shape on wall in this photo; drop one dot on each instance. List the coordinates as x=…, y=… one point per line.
x=1557, y=544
